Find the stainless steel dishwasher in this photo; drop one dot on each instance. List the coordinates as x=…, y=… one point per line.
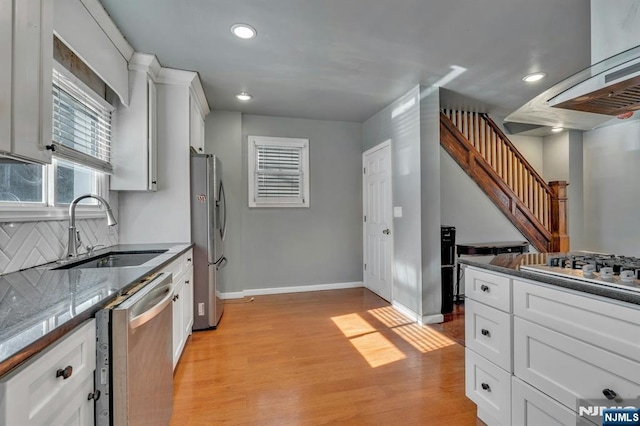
x=135, y=358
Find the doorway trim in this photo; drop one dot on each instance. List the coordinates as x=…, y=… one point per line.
x=382, y=145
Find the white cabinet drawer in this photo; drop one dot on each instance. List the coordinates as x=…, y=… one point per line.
x=568, y=369
x=489, y=387
x=488, y=332
x=187, y=260
x=491, y=289
x=607, y=324
x=529, y=407
x=34, y=395
x=175, y=268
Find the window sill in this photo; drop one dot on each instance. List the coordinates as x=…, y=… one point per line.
x=36, y=214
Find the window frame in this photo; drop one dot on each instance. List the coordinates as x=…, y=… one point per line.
x=253, y=143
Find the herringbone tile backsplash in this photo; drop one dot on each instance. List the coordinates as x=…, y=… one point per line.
x=27, y=244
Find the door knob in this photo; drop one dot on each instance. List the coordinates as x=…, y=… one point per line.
x=386, y=231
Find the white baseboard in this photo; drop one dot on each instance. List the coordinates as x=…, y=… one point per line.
x=405, y=311
x=234, y=295
x=295, y=289
x=432, y=319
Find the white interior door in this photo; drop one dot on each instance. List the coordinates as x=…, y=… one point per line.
x=377, y=206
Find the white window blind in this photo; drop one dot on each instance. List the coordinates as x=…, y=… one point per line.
x=81, y=125
x=278, y=170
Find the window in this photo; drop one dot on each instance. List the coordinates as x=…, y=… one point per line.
x=81, y=135
x=278, y=172
x=21, y=183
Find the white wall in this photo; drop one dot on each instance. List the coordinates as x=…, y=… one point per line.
x=165, y=215
x=611, y=190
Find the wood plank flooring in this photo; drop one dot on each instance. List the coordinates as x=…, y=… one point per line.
x=340, y=357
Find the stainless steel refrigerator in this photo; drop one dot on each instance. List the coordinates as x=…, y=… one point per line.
x=208, y=228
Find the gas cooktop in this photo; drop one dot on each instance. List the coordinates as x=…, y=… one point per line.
x=595, y=268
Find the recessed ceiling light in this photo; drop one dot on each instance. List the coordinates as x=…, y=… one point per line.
x=557, y=129
x=536, y=76
x=243, y=31
x=244, y=96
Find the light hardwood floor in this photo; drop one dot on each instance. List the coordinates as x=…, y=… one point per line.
x=328, y=357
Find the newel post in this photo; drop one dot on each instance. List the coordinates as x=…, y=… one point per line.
x=559, y=226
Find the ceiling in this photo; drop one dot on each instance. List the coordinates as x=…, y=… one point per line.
x=347, y=59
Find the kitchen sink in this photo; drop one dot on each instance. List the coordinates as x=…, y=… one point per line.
x=115, y=259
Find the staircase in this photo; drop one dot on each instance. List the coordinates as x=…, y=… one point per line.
x=483, y=151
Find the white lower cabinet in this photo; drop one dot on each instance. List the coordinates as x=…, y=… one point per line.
x=182, y=271
x=530, y=407
x=564, y=347
x=53, y=388
x=489, y=386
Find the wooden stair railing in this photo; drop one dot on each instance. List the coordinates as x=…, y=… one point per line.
x=485, y=153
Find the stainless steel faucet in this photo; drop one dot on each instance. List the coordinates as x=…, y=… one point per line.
x=74, y=235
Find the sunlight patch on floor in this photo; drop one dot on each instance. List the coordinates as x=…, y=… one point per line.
x=423, y=338
x=389, y=316
x=376, y=349
x=353, y=325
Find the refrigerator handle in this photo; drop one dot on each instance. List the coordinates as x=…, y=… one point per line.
x=221, y=264
x=223, y=201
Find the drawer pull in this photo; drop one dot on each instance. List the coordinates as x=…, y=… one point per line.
x=188, y=259
x=609, y=394
x=186, y=281
x=485, y=288
x=176, y=297
x=65, y=373
x=485, y=332
x=94, y=395
x=485, y=386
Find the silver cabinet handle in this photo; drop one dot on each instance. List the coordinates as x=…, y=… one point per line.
x=386, y=231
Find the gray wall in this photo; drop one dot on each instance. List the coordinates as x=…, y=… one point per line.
x=284, y=247
x=400, y=122
x=563, y=161
x=223, y=133
x=466, y=206
x=413, y=125
x=613, y=28
x=430, y=195
x=611, y=190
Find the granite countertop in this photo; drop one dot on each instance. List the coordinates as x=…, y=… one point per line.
x=511, y=263
x=40, y=304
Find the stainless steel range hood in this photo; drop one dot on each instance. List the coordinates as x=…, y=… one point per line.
x=589, y=99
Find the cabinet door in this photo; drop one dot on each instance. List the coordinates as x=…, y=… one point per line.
x=187, y=304
x=196, y=127
x=133, y=141
x=32, y=96
x=178, y=331
x=39, y=394
x=567, y=369
x=152, y=144
x=6, y=25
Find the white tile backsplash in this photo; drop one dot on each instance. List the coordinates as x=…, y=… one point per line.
x=27, y=244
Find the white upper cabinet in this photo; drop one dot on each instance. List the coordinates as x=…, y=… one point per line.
x=26, y=48
x=134, y=138
x=196, y=134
